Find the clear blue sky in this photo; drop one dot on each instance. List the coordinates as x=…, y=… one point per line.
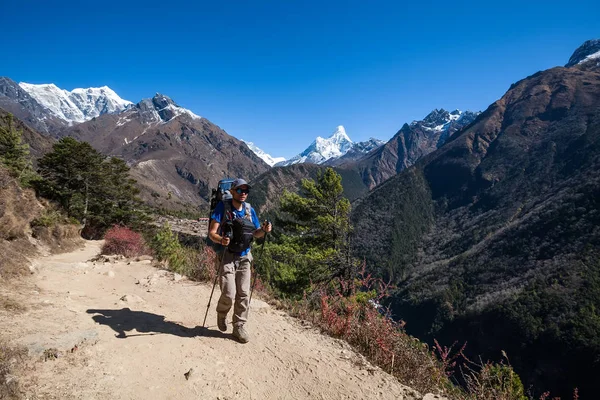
x=280, y=73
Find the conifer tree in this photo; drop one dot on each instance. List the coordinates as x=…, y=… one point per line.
x=13, y=153
x=92, y=188
x=314, y=244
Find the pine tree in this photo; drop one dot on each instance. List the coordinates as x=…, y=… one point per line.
x=314, y=245
x=91, y=187
x=13, y=153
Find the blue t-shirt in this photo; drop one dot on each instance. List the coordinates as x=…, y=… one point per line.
x=218, y=215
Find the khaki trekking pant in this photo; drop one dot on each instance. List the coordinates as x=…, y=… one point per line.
x=235, y=286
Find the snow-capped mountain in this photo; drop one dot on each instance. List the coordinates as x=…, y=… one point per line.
x=589, y=50
x=412, y=142
x=356, y=152
x=322, y=150
x=161, y=108
x=78, y=105
x=264, y=156
x=444, y=123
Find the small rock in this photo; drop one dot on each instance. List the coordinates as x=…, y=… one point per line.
x=188, y=374
x=132, y=298
x=177, y=277
x=110, y=274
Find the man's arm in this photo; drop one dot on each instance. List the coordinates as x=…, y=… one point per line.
x=214, y=236
x=261, y=230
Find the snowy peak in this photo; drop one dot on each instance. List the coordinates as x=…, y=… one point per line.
x=161, y=108
x=590, y=50
x=441, y=120
x=78, y=105
x=321, y=150
x=339, y=136
x=264, y=156
x=367, y=146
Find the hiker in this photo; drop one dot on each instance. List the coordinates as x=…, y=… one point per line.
x=234, y=225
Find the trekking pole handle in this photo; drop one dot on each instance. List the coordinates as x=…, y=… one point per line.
x=266, y=223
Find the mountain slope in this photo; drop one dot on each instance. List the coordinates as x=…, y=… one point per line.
x=38, y=144
x=23, y=106
x=410, y=143
x=268, y=187
x=264, y=156
x=176, y=156
x=494, y=237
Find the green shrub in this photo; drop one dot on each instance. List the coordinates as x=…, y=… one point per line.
x=196, y=264
x=495, y=382
x=49, y=217
x=167, y=248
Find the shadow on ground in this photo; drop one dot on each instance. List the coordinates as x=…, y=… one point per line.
x=145, y=323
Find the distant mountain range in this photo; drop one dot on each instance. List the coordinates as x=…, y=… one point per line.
x=264, y=156
x=334, y=147
x=78, y=105
x=410, y=143
x=179, y=155
x=176, y=155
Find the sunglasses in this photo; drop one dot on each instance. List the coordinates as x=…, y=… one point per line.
x=240, y=191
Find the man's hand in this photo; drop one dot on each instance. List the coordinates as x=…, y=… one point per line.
x=266, y=226
x=225, y=241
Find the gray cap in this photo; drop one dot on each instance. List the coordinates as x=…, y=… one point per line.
x=239, y=182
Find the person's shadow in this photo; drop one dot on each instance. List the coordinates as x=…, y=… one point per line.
x=146, y=323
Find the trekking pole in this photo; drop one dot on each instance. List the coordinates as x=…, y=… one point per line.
x=213, y=288
x=215, y=284
x=262, y=250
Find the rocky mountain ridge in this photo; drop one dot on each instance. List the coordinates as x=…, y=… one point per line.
x=78, y=105
x=22, y=105
x=263, y=155
x=588, y=51
x=409, y=144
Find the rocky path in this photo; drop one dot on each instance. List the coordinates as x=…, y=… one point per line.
x=126, y=330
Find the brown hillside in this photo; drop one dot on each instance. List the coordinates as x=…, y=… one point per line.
x=175, y=158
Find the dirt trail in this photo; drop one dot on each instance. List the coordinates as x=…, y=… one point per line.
x=126, y=330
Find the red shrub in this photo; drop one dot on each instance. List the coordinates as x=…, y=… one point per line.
x=122, y=240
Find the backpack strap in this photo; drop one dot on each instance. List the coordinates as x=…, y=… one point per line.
x=227, y=213
x=248, y=211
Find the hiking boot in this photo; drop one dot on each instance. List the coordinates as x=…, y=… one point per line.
x=239, y=332
x=222, y=322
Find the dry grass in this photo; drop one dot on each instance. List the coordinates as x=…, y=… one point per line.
x=13, y=257
x=10, y=304
x=60, y=237
x=17, y=208
x=10, y=358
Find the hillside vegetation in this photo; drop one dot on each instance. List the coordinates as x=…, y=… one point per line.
x=494, y=238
